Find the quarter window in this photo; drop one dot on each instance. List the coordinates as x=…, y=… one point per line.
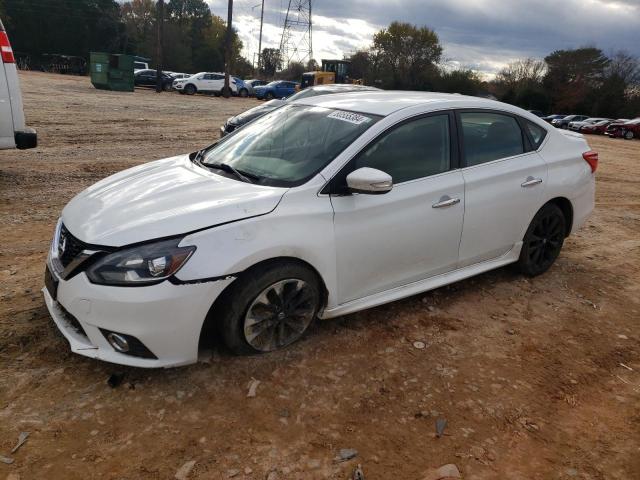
x=490, y=136
x=415, y=149
x=536, y=132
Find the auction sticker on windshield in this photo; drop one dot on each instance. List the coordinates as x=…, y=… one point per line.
x=350, y=117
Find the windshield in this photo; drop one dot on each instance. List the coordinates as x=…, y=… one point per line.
x=288, y=146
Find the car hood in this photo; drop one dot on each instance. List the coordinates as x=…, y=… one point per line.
x=161, y=199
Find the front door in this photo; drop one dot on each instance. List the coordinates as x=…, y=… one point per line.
x=411, y=232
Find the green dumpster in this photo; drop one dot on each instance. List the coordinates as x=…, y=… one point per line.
x=111, y=71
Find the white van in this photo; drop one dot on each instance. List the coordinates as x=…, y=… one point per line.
x=13, y=131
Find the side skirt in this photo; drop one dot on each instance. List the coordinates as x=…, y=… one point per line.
x=423, y=285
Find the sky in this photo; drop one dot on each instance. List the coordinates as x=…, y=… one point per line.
x=483, y=35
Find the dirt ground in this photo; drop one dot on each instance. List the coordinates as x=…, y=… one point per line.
x=537, y=379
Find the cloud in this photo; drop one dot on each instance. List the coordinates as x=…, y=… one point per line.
x=483, y=34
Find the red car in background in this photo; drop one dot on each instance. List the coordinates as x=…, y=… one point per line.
x=599, y=128
x=628, y=130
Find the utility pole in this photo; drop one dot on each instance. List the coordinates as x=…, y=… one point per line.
x=226, y=91
x=159, y=46
x=260, y=39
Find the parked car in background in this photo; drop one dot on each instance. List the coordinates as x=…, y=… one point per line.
x=252, y=84
x=233, y=123
x=555, y=116
x=537, y=113
x=324, y=207
x=204, y=82
x=597, y=128
x=148, y=78
x=564, y=122
x=137, y=66
x=277, y=89
x=242, y=90
x=179, y=76
x=576, y=125
x=628, y=130
x=13, y=131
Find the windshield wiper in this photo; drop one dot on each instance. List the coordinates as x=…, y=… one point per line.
x=225, y=167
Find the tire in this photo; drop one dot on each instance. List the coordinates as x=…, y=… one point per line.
x=543, y=241
x=628, y=135
x=255, y=318
x=269, y=96
x=190, y=89
x=166, y=87
x=243, y=92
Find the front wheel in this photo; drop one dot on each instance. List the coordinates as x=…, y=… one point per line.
x=243, y=92
x=190, y=89
x=270, y=308
x=269, y=96
x=628, y=135
x=543, y=241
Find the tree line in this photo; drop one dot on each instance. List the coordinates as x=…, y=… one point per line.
x=582, y=80
x=193, y=37
x=402, y=56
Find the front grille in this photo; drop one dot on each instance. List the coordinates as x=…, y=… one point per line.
x=69, y=247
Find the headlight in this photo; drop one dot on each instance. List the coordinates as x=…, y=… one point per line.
x=142, y=265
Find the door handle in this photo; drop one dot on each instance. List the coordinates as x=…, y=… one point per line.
x=446, y=201
x=530, y=182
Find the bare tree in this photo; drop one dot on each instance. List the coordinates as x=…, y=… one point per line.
x=526, y=72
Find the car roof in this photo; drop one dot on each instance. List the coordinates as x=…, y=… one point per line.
x=386, y=102
x=338, y=87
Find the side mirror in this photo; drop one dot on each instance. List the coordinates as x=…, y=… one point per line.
x=369, y=181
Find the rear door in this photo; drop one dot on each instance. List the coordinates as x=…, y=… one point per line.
x=504, y=180
x=217, y=82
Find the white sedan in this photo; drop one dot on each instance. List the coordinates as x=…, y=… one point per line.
x=326, y=206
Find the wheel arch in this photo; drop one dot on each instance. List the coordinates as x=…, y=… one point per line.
x=565, y=205
x=209, y=324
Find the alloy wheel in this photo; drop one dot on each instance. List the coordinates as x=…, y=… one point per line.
x=546, y=241
x=279, y=315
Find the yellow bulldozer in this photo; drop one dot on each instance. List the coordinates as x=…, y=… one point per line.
x=333, y=71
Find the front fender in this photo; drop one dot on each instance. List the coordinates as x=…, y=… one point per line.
x=300, y=227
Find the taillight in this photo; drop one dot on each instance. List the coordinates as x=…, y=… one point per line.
x=591, y=158
x=5, y=49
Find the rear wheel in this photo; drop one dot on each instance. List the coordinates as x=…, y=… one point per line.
x=269, y=96
x=243, y=92
x=270, y=308
x=190, y=89
x=628, y=135
x=543, y=241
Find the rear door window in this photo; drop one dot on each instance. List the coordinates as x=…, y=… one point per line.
x=488, y=136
